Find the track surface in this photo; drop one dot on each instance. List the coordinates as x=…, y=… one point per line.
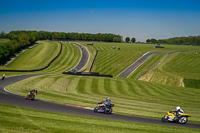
x=84, y=58
x=136, y=64
x=13, y=99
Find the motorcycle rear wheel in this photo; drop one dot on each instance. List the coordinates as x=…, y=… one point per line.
x=32, y=97
x=108, y=111
x=183, y=120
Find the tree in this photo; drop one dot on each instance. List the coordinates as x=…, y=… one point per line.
x=148, y=41
x=133, y=40
x=24, y=39
x=12, y=36
x=2, y=35
x=127, y=39
x=34, y=36
x=116, y=39
x=153, y=40
x=55, y=35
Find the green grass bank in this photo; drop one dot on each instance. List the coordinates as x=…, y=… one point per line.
x=17, y=119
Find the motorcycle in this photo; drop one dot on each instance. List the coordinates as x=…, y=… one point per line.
x=103, y=108
x=31, y=96
x=172, y=117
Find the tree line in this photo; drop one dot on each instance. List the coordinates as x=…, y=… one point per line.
x=21, y=39
x=18, y=40
x=191, y=40
x=44, y=35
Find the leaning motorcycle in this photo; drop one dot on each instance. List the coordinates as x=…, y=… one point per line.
x=172, y=117
x=31, y=96
x=103, y=108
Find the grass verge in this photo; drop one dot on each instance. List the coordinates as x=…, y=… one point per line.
x=68, y=58
x=178, y=69
x=18, y=119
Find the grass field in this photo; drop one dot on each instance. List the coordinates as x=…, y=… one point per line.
x=17, y=119
x=112, y=61
x=36, y=58
x=184, y=64
x=130, y=97
x=147, y=65
x=179, y=69
x=69, y=57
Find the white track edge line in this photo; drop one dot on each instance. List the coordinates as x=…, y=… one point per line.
x=10, y=92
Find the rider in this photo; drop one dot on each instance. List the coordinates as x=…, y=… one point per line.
x=33, y=91
x=178, y=111
x=108, y=101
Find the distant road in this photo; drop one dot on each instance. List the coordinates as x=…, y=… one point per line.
x=136, y=64
x=84, y=58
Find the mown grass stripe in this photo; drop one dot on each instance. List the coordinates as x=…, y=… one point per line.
x=101, y=86
x=107, y=86
x=94, y=85
x=73, y=84
x=66, y=61
x=131, y=87
x=81, y=86
x=88, y=86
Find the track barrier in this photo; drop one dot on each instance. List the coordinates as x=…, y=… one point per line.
x=93, y=61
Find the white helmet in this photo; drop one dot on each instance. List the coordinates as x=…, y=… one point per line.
x=178, y=108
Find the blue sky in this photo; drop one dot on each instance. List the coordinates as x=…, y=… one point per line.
x=141, y=19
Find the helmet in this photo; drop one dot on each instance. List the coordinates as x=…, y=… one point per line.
x=107, y=99
x=178, y=108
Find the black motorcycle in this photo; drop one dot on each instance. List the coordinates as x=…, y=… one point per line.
x=103, y=108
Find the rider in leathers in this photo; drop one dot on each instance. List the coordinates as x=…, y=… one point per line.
x=178, y=112
x=108, y=101
x=33, y=92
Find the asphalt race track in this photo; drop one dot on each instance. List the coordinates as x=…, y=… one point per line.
x=136, y=64
x=84, y=58
x=17, y=100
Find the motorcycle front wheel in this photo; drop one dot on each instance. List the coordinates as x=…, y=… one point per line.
x=163, y=119
x=96, y=109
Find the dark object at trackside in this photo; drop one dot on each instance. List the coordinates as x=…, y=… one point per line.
x=90, y=44
x=4, y=76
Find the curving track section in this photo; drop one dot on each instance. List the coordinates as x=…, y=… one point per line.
x=84, y=58
x=14, y=99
